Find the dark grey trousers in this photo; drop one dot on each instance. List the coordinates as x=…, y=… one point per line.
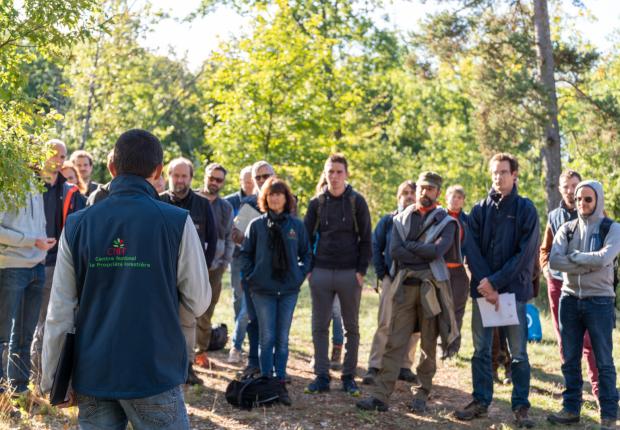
x=324, y=285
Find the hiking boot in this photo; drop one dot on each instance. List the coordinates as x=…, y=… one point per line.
x=417, y=406
x=192, y=378
x=563, y=417
x=349, y=386
x=334, y=362
x=369, y=377
x=319, y=385
x=202, y=360
x=235, y=356
x=607, y=424
x=407, y=375
x=474, y=409
x=249, y=372
x=522, y=419
x=371, y=404
x=284, y=397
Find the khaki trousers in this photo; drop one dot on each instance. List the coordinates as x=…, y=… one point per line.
x=407, y=314
x=383, y=330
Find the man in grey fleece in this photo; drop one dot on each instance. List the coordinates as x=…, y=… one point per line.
x=584, y=251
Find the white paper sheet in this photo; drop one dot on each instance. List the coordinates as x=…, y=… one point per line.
x=246, y=214
x=506, y=315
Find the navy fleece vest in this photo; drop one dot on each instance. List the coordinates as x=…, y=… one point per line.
x=129, y=342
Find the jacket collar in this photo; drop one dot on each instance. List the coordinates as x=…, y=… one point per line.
x=496, y=196
x=132, y=184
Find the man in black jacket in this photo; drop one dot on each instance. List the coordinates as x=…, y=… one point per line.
x=338, y=224
x=180, y=174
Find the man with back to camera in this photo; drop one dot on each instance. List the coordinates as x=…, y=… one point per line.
x=130, y=356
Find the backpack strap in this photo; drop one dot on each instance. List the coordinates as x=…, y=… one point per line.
x=352, y=200
x=319, y=210
x=572, y=227
x=67, y=203
x=604, y=228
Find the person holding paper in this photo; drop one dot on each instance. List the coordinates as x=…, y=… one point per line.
x=584, y=251
x=424, y=238
x=501, y=250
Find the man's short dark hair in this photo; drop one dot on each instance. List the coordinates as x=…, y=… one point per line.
x=570, y=173
x=339, y=158
x=137, y=152
x=215, y=166
x=504, y=156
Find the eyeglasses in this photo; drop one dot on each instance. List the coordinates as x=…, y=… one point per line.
x=216, y=179
x=585, y=199
x=264, y=177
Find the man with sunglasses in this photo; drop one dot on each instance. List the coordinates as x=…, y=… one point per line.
x=180, y=194
x=584, y=250
x=215, y=177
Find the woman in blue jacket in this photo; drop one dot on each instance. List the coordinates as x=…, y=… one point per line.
x=275, y=258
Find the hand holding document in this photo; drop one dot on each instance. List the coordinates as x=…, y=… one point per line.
x=246, y=214
x=505, y=315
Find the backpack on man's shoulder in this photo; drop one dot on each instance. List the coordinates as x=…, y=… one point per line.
x=253, y=392
x=322, y=201
x=604, y=228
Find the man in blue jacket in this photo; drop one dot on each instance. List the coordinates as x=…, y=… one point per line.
x=501, y=250
x=130, y=356
x=382, y=261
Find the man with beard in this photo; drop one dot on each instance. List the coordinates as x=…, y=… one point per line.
x=567, y=211
x=382, y=261
x=180, y=174
x=424, y=239
x=215, y=176
x=83, y=162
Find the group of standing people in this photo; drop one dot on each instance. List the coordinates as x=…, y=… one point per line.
x=139, y=272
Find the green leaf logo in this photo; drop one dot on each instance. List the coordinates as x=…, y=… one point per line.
x=118, y=243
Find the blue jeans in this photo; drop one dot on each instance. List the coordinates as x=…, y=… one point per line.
x=275, y=315
x=482, y=375
x=21, y=290
x=252, y=328
x=241, y=313
x=337, y=330
x=161, y=411
x=597, y=316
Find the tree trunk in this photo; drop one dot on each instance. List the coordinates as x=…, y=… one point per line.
x=91, y=96
x=551, y=151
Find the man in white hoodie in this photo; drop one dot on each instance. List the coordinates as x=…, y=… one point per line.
x=23, y=246
x=584, y=250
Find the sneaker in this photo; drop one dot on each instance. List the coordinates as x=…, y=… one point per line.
x=369, y=377
x=192, y=378
x=407, y=375
x=563, y=417
x=522, y=419
x=284, y=397
x=474, y=409
x=349, y=386
x=417, y=406
x=319, y=385
x=202, y=360
x=235, y=356
x=249, y=372
x=372, y=404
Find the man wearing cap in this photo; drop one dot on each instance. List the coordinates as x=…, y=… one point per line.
x=424, y=239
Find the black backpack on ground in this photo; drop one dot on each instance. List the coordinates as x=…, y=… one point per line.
x=253, y=392
x=219, y=337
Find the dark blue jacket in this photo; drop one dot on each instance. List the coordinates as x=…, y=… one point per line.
x=129, y=342
x=235, y=200
x=381, y=238
x=256, y=257
x=503, y=244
